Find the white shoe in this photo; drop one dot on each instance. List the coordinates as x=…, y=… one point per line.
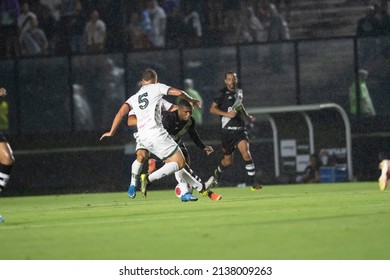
x=384, y=166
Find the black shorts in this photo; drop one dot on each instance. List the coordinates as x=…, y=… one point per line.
x=230, y=140
x=2, y=137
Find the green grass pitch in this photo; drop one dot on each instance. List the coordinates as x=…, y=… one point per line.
x=286, y=222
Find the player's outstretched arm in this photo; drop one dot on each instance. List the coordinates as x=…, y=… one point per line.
x=249, y=117
x=123, y=111
x=182, y=94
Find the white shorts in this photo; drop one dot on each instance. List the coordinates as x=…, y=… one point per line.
x=161, y=145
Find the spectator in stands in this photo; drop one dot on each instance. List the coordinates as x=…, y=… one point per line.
x=76, y=26
x=251, y=28
x=54, y=7
x=67, y=10
x=33, y=40
x=146, y=24
x=175, y=30
x=95, y=31
x=138, y=38
x=366, y=106
x=284, y=6
x=311, y=174
x=262, y=10
x=51, y=21
x=193, y=26
x=159, y=23
x=367, y=29
x=9, y=39
x=231, y=17
x=278, y=31
x=24, y=18
x=50, y=26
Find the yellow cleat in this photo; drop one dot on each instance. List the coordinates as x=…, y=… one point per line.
x=144, y=184
x=256, y=187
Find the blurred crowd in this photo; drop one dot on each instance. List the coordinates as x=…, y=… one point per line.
x=62, y=27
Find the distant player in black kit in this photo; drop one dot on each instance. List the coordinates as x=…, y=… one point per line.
x=6, y=157
x=228, y=105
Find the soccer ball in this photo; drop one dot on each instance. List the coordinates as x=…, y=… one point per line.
x=181, y=189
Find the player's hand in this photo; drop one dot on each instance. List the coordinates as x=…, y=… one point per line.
x=232, y=114
x=107, y=134
x=251, y=118
x=196, y=103
x=208, y=150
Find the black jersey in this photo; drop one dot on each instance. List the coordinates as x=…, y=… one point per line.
x=227, y=101
x=177, y=128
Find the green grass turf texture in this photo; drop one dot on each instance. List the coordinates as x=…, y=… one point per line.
x=286, y=222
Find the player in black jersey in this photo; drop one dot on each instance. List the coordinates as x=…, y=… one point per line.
x=178, y=123
x=228, y=105
x=6, y=157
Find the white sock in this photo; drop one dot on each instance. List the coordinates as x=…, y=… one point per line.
x=136, y=169
x=167, y=169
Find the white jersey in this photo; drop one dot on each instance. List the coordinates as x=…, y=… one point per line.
x=165, y=106
x=147, y=103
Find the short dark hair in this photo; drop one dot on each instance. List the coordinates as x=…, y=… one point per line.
x=184, y=103
x=230, y=73
x=149, y=74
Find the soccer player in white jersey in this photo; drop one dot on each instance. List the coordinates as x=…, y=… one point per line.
x=180, y=117
x=146, y=104
x=142, y=154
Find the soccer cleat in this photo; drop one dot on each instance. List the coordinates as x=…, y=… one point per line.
x=211, y=194
x=256, y=187
x=144, y=184
x=214, y=196
x=384, y=166
x=132, y=192
x=151, y=165
x=188, y=197
x=1, y=219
